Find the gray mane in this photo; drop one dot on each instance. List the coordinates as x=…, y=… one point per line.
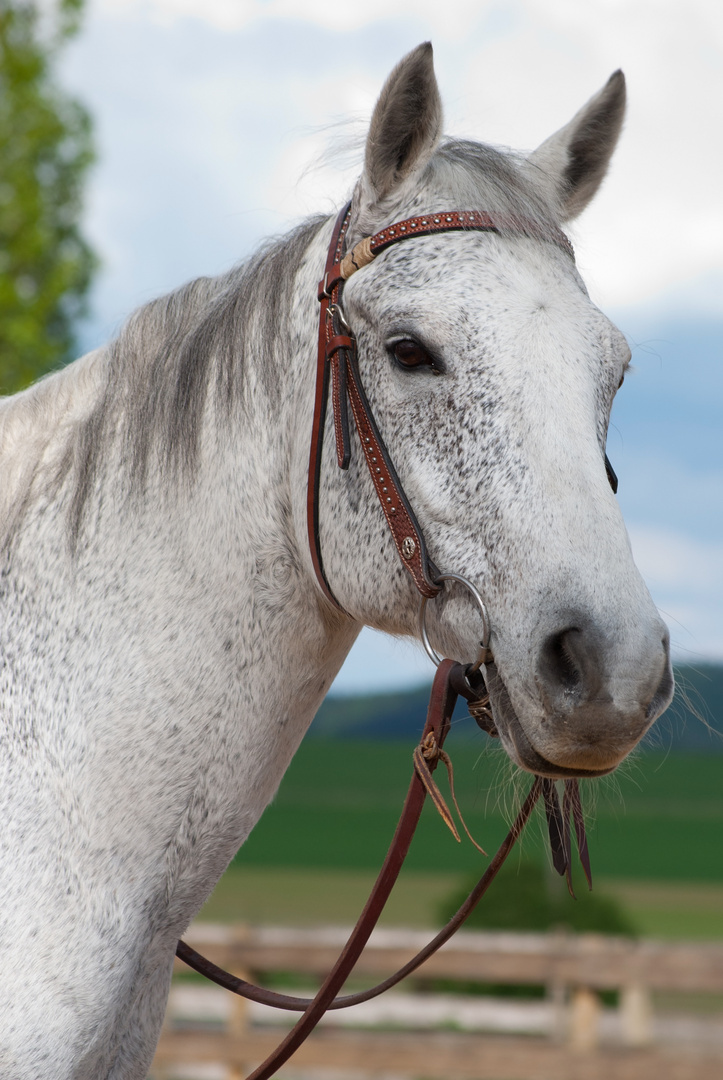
x=175, y=349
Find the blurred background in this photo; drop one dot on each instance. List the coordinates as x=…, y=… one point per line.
x=145, y=142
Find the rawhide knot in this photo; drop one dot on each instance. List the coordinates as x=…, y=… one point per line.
x=469, y=683
x=430, y=751
x=481, y=713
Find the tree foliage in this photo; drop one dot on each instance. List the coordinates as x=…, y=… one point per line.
x=529, y=896
x=45, y=150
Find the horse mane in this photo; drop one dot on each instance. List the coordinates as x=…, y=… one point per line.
x=150, y=386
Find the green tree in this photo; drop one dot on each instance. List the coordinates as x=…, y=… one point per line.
x=45, y=150
x=528, y=895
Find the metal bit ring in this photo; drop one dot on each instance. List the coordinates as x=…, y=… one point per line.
x=485, y=656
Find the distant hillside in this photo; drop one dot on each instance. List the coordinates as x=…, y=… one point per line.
x=695, y=719
x=693, y=722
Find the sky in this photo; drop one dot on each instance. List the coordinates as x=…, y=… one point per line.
x=220, y=122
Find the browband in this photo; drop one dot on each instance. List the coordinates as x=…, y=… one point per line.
x=427, y=224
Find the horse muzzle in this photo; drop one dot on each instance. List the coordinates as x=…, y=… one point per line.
x=580, y=714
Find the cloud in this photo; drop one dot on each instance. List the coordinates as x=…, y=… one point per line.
x=235, y=15
x=685, y=577
x=510, y=74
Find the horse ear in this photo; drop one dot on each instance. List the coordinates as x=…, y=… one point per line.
x=575, y=159
x=406, y=124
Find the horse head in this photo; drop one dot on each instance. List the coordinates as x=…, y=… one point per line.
x=492, y=375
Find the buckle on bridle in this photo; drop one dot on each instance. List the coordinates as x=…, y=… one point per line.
x=323, y=290
x=336, y=310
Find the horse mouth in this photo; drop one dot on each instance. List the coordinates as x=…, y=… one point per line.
x=516, y=741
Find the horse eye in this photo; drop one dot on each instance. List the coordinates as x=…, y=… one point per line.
x=410, y=354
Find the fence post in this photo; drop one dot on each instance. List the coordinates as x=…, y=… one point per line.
x=636, y=1015
x=238, y=1022
x=557, y=996
x=585, y=1009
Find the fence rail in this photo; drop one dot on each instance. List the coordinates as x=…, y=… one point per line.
x=567, y=1036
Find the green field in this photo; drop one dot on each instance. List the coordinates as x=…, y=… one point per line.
x=298, y=897
x=659, y=818
x=655, y=830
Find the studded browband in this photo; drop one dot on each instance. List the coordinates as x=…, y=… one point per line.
x=337, y=362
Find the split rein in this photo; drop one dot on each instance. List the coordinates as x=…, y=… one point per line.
x=337, y=367
x=451, y=679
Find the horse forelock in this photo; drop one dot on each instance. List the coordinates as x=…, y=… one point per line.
x=465, y=175
x=498, y=180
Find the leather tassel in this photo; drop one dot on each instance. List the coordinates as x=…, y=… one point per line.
x=429, y=751
x=578, y=819
x=555, y=825
x=566, y=838
x=424, y=774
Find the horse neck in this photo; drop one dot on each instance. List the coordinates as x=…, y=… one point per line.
x=251, y=477
x=164, y=668
x=196, y=603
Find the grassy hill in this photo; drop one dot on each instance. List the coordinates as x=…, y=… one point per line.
x=660, y=817
x=694, y=721
x=655, y=828
x=658, y=820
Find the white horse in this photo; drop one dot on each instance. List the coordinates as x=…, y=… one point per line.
x=164, y=641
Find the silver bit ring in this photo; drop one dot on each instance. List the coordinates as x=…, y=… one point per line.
x=484, y=656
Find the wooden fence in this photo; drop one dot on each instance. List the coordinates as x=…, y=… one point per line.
x=568, y=1035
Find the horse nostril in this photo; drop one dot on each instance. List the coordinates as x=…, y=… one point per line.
x=559, y=664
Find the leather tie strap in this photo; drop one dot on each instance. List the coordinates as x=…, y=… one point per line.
x=319, y=421
x=337, y=362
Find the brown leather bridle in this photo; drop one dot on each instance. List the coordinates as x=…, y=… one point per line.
x=337, y=365
x=337, y=360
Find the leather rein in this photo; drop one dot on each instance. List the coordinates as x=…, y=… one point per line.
x=337, y=368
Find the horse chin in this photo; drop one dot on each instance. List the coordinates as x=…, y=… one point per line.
x=517, y=743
